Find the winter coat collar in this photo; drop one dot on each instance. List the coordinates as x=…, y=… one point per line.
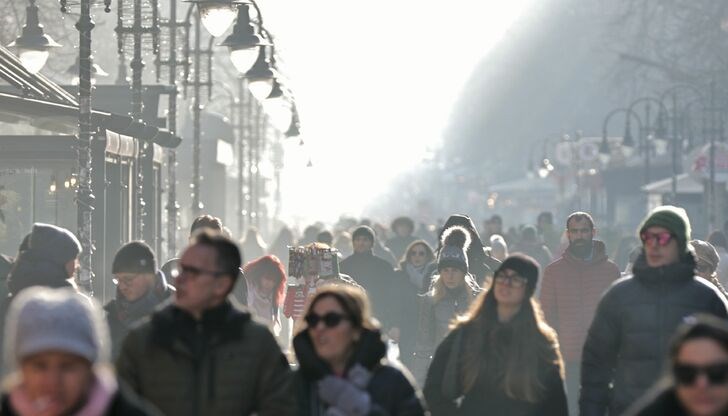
x=599, y=255
x=681, y=271
x=98, y=401
x=220, y=324
x=369, y=352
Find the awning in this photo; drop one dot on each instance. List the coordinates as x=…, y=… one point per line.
x=32, y=85
x=64, y=118
x=686, y=184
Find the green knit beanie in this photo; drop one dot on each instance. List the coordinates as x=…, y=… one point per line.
x=672, y=218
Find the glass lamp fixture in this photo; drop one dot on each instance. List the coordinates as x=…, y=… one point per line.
x=217, y=15
x=279, y=111
x=33, y=44
x=260, y=88
x=244, y=41
x=243, y=59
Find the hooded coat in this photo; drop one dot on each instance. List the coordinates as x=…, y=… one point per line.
x=480, y=263
x=391, y=391
x=629, y=336
x=570, y=291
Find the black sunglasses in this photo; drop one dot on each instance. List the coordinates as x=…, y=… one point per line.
x=330, y=320
x=687, y=374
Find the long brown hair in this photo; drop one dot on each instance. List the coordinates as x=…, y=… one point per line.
x=533, y=343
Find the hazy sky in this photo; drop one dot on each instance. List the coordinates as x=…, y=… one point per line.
x=375, y=83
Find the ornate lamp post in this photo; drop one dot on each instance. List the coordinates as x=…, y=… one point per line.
x=84, y=190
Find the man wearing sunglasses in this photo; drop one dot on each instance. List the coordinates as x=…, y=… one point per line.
x=635, y=319
x=202, y=355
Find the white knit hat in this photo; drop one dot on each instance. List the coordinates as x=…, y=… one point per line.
x=43, y=319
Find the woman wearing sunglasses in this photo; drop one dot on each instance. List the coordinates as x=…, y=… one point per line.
x=502, y=356
x=697, y=379
x=340, y=354
x=408, y=283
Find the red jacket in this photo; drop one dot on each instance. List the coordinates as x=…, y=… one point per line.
x=570, y=292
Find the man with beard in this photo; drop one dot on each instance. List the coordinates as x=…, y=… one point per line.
x=571, y=289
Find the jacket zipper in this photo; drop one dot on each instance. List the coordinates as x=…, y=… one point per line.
x=197, y=363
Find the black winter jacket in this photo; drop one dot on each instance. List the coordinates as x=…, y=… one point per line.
x=487, y=395
x=662, y=401
x=391, y=391
x=629, y=336
x=375, y=275
x=223, y=364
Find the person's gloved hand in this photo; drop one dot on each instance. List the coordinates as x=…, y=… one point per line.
x=344, y=396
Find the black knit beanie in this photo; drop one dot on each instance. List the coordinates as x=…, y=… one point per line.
x=53, y=243
x=525, y=266
x=134, y=257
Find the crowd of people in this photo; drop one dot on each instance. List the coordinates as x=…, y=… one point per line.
x=371, y=320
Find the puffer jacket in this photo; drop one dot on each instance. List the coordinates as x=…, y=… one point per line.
x=224, y=364
x=391, y=391
x=629, y=338
x=570, y=292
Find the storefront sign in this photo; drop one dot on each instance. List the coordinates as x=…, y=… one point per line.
x=700, y=162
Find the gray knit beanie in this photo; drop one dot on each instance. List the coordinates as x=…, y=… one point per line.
x=43, y=319
x=54, y=243
x=455, y=242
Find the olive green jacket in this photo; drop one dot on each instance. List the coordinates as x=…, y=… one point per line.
x=224, y=364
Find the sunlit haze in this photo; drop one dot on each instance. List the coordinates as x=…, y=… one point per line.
x=375, y=84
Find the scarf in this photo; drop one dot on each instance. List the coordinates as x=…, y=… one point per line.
x=416, y=274
x=100, y=396
x=130, y=312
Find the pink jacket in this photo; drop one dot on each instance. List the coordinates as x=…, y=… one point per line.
x=570, y=292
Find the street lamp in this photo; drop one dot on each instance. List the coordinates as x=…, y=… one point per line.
x=244, y=41
x=260, y=76
x=33, y=45
x=216, y=15
x=84, y=191
x=646, y=129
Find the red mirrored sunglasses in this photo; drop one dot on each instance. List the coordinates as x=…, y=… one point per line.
x=662, y=238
